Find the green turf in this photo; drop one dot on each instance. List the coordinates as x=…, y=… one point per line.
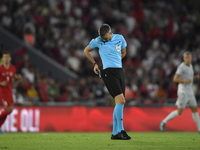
x=100, y=141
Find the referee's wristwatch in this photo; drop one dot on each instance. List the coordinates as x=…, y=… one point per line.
x=94, y=64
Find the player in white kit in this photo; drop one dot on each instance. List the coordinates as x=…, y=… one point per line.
x=184, y=76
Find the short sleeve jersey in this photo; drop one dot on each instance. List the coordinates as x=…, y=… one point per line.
x=7, y=74
x=110, y=52
x=185, y=72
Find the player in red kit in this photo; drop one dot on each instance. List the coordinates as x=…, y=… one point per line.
x=7, y=75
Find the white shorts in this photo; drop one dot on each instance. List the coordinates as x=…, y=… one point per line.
x=185, y=99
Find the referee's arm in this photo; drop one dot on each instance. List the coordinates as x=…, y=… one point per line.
x=123, y=53
x=91, y=59
x=87, y=51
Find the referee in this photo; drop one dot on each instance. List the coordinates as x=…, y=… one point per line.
x=112, y=48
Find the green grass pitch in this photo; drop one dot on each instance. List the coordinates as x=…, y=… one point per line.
x=100, y=141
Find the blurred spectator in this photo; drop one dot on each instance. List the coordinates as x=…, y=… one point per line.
x=129, y=93
x=73, y=63
x=161, y=94
x=54, y=90
x=25, y=83
x=32, y=95
x=65, y=96
x=21, y=62
x=18, y=98
x=29, y=37
x=152, y=88
x=143, y=89
x=43, y=90
x=28, y=72
x=7, y=20
x=99, y=91
x=172, y=91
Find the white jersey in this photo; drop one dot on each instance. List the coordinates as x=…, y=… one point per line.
x=185, y=72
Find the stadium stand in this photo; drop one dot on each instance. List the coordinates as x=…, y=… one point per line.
x=157, y=32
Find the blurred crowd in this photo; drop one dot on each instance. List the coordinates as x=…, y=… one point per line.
x=157, y=33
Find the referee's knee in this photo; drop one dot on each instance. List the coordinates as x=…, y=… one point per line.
x=123, y=101
x=120, y=99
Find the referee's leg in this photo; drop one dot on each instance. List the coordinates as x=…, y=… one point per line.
x=120, y=101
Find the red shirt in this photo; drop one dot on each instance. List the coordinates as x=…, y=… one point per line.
x=7, y=74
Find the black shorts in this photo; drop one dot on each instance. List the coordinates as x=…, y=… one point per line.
x=114, y=80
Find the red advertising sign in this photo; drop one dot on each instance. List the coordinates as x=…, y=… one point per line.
x=90, y=119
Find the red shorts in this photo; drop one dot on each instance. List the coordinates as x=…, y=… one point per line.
x=6, y=102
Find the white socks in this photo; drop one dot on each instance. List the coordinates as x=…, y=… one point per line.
x=172, y=115
x=196, y=120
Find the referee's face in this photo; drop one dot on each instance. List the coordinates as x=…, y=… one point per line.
x=107, y=37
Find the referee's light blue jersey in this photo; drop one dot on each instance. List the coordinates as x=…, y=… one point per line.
x=110, y=52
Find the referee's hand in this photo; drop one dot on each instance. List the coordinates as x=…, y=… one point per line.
x=96, y=69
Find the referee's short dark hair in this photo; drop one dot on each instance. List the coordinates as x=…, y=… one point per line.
x=104, y=29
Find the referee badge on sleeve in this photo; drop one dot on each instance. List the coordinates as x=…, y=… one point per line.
x=118, y=48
